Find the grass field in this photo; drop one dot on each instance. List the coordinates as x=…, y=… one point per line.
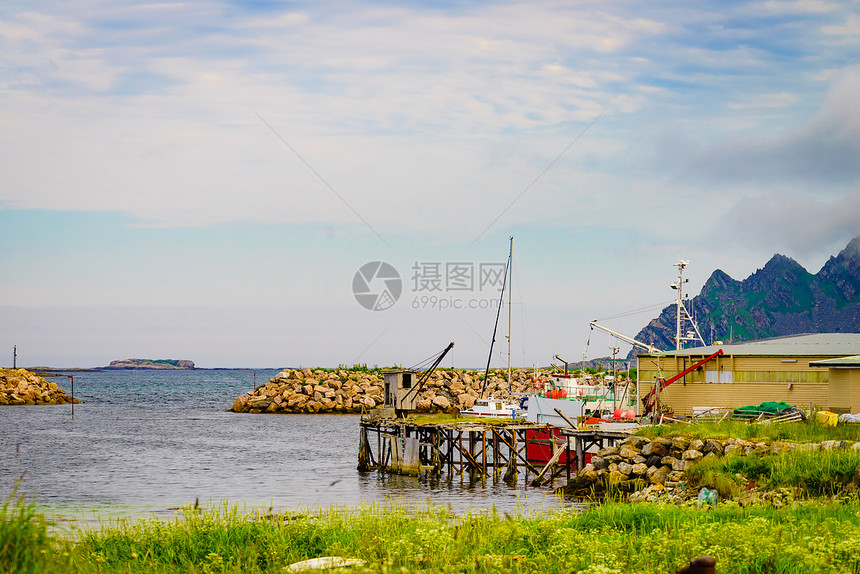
x=799, y=432
x=813, y=536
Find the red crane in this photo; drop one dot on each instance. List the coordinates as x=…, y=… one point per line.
x=651, y=398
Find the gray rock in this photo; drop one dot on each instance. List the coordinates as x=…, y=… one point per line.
x=638, y=442
x=733, y=449
x=697, y=444
x=625, y=468
x=680, y=443
x=639, y=469
x=659, y=477
x=599, y=462
x=627, y=452
x=692, y=455
x=607, y=451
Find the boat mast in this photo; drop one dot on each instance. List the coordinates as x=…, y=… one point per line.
x=510, y=299
x=496, y=327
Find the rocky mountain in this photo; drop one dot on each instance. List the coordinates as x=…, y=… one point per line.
x=151, y=364
x=781, y=298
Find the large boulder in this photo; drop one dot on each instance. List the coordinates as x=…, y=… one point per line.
x=441, y=402
x=466, y=401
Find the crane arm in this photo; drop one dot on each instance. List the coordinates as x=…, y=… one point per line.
x=625, y=338
x=429, y=371
x=650, y=398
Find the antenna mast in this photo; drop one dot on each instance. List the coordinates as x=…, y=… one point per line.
x=681, y=314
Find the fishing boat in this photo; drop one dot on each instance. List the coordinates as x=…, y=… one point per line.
x=607, y=397
x=492, y=408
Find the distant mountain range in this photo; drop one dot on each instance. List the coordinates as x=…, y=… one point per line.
x=782, y=298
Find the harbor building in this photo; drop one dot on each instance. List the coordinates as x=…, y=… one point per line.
x=821, y=369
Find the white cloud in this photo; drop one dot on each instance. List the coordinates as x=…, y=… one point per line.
x=802, y=225
x=825, y=151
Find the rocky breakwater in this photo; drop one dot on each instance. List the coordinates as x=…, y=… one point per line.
x=348, y=390
x=21, y=387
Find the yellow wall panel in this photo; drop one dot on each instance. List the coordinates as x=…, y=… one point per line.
x=682, y=398
x=840, y=390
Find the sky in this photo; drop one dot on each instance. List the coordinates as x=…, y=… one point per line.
x=210, y=180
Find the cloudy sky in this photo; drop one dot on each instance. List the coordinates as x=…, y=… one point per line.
x=202, y=180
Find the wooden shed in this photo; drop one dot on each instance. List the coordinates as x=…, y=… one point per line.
x=399, y=392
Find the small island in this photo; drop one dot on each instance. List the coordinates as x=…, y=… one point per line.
x=162, y=364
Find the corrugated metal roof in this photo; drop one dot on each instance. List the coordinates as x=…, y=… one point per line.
x=853, y=361
x=816, y=344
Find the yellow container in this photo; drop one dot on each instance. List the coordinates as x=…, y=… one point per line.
x=827, y=418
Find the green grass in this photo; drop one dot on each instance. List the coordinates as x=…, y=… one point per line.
x=446, y=418
x=798, y=432
x=810, y=473
x=813, y=536
x=25, y=545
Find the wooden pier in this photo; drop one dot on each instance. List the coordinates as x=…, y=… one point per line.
x=477, y=450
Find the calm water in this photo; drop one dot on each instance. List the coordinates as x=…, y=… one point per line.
x=151, y=441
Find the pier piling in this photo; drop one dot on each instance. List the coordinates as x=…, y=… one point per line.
x=478, y=450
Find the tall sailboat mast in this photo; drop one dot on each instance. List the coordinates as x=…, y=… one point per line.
x=496, y=325
x=510, y=301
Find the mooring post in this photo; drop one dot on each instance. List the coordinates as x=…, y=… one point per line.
x=362, y=454
x=526, y=452
x=460, y=450
x=580, y=453
x=511, y=474
x=484, y=453
x=567, y=456
x=496, y=457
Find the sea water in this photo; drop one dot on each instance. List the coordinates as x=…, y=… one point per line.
x=149, y=442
